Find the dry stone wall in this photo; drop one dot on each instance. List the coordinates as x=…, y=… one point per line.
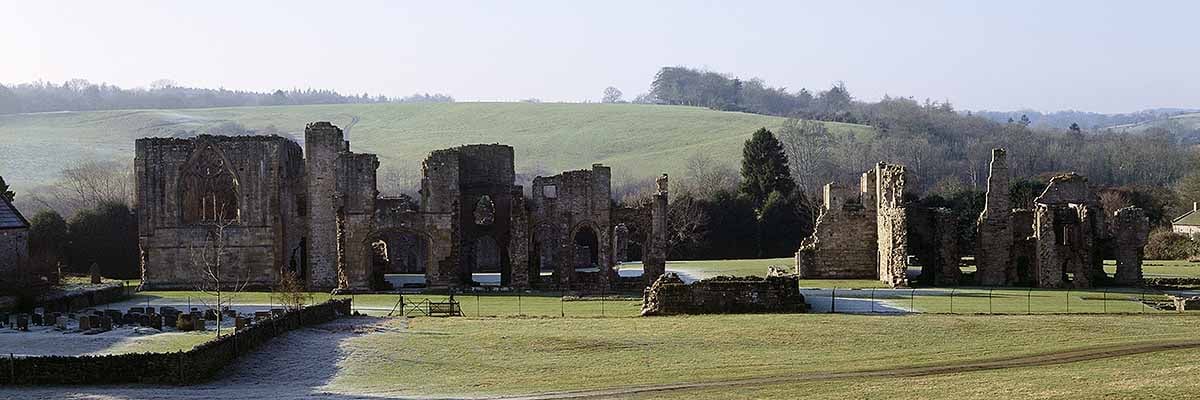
x=669, y=295
x=180, y=368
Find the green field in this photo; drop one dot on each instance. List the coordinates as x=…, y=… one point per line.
x=1183, y=121
x=470, y=356
x=638, y=141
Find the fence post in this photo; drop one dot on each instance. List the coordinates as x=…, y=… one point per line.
x=602, y=294
x=1105, y=301
x=1143, y=300
x=1068, y=300
x=477, y=313
x=833, y=300
x=519, y=304
x=1029, y=301
x=872, y=300
x=562, y=303
x=952, y=300
x=990, y=300
x=912, y=300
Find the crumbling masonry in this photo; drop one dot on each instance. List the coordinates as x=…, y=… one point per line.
x=318, y=213
x=1059, y=243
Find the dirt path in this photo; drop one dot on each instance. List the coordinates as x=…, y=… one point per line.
x=1092, y=353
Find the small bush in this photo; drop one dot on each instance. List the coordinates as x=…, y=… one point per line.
x=1166, y=245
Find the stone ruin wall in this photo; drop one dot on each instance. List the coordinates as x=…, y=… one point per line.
x=892, y=225
x=843, y=243
x=580, y=200
x=1131, y=230
x=669, y=295
x=267, y=184
x=995, y=239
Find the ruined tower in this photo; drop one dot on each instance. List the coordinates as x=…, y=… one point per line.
x=892, y=225
x=1130, y=230
x=322, y=142
x=993, y=258
x=656, y=259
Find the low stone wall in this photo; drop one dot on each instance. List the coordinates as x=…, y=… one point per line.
x=724, y=295
x=67, y=301
x=186, y=367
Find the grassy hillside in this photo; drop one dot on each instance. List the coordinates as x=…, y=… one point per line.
x=638, y=141
x=1182, y=121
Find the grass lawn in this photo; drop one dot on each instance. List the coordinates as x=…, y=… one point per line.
x=1144, y=376
x=162, y=343
x=488, y=356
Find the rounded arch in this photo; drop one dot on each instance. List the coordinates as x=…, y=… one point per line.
x=586, y=241
x=401, y=250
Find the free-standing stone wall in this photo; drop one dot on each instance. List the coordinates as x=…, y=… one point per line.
x=1130, y=230
x=995, y=240
x=843, y=244
x=669, y=295
x=892, y=224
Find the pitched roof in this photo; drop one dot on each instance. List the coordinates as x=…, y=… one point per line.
x=10, y=218
x=1190, y=218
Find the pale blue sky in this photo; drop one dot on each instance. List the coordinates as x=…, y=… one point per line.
x=1048, y=55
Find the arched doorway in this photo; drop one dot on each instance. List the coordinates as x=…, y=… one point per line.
x=402, y=256
x=587, y=250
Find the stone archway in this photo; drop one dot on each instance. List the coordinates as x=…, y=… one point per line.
x=585, y=249
x=401, y=256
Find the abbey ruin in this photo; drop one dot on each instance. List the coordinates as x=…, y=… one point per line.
x=875, y=231
x=318, y=213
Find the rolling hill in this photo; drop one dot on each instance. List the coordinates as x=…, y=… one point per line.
x=638, y=141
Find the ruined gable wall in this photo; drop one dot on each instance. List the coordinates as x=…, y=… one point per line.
x=441, y=209
x=264, y=168
x=843, y=244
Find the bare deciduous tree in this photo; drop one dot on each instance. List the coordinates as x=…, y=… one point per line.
x=687, y=223
x=218, y=276
x=705, y=176
x=807, y=144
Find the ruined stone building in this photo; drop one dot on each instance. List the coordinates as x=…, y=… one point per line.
x=14, y=241
x=472, y=218
x=318, y=213
x=275, y=208
x=876, y=232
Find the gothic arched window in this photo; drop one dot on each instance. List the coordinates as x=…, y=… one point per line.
x=209, y=189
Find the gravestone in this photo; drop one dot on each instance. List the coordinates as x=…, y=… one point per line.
x=94, y=271
x=23, y=322
x=36, y=319
x=85, y=322
x=185, y=322
x=199, y=324
x=156, y=321
x=170, y=319
x=137, y=310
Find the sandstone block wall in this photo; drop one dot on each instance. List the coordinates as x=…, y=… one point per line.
x=322, y=143
x=843, y=244
x=723, y=295
x=995, y=238
x=264, y=173
x=571, y=205
x=1130, y=231
x=892, y=224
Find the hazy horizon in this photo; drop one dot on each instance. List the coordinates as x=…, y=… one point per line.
x=1089, y=56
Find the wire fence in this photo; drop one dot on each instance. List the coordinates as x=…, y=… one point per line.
x=821, y=300
x=992, y=301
